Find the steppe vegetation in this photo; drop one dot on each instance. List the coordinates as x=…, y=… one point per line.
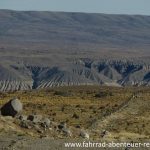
x=124, y=112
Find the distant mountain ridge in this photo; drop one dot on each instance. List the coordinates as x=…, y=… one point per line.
x=45, y=49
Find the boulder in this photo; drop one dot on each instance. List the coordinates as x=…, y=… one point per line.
x=12, y=108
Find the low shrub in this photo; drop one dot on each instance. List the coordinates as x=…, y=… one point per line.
x=103, y=94
x=63, y=93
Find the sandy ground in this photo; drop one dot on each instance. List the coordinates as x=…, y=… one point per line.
x=13, y=142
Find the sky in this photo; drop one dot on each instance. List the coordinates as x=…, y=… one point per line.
x=92, y=6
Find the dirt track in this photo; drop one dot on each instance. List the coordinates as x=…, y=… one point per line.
x=25, y=143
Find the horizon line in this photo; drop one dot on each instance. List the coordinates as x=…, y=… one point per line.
x=61, y=11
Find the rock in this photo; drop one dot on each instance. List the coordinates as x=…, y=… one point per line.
x=35, y=118
x=46, y=122
x=12, y=108
x=62, y=125
x=22, y=117
x=104, y=133
x=78, y=126
x=67, y=132
x=84, y=134
x=38, y=129
x=54, y=125
x=25, y=124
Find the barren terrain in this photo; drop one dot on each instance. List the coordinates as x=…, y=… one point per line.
x=47, y=49
x=122, y=112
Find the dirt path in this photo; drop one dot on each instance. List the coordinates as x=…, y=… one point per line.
x=118, y=109
x=24, y=143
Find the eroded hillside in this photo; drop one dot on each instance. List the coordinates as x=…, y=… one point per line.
x=45, y=49
x=79, y=72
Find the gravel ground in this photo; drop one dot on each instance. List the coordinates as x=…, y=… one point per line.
x=14, y=142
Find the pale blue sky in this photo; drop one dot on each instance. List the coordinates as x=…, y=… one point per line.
x=97, y=6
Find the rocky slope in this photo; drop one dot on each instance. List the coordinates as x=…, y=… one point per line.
x=45, y=49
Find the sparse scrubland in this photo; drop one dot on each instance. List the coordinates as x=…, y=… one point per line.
x=123, y=112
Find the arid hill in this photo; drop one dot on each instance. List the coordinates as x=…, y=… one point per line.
x=44, y=49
